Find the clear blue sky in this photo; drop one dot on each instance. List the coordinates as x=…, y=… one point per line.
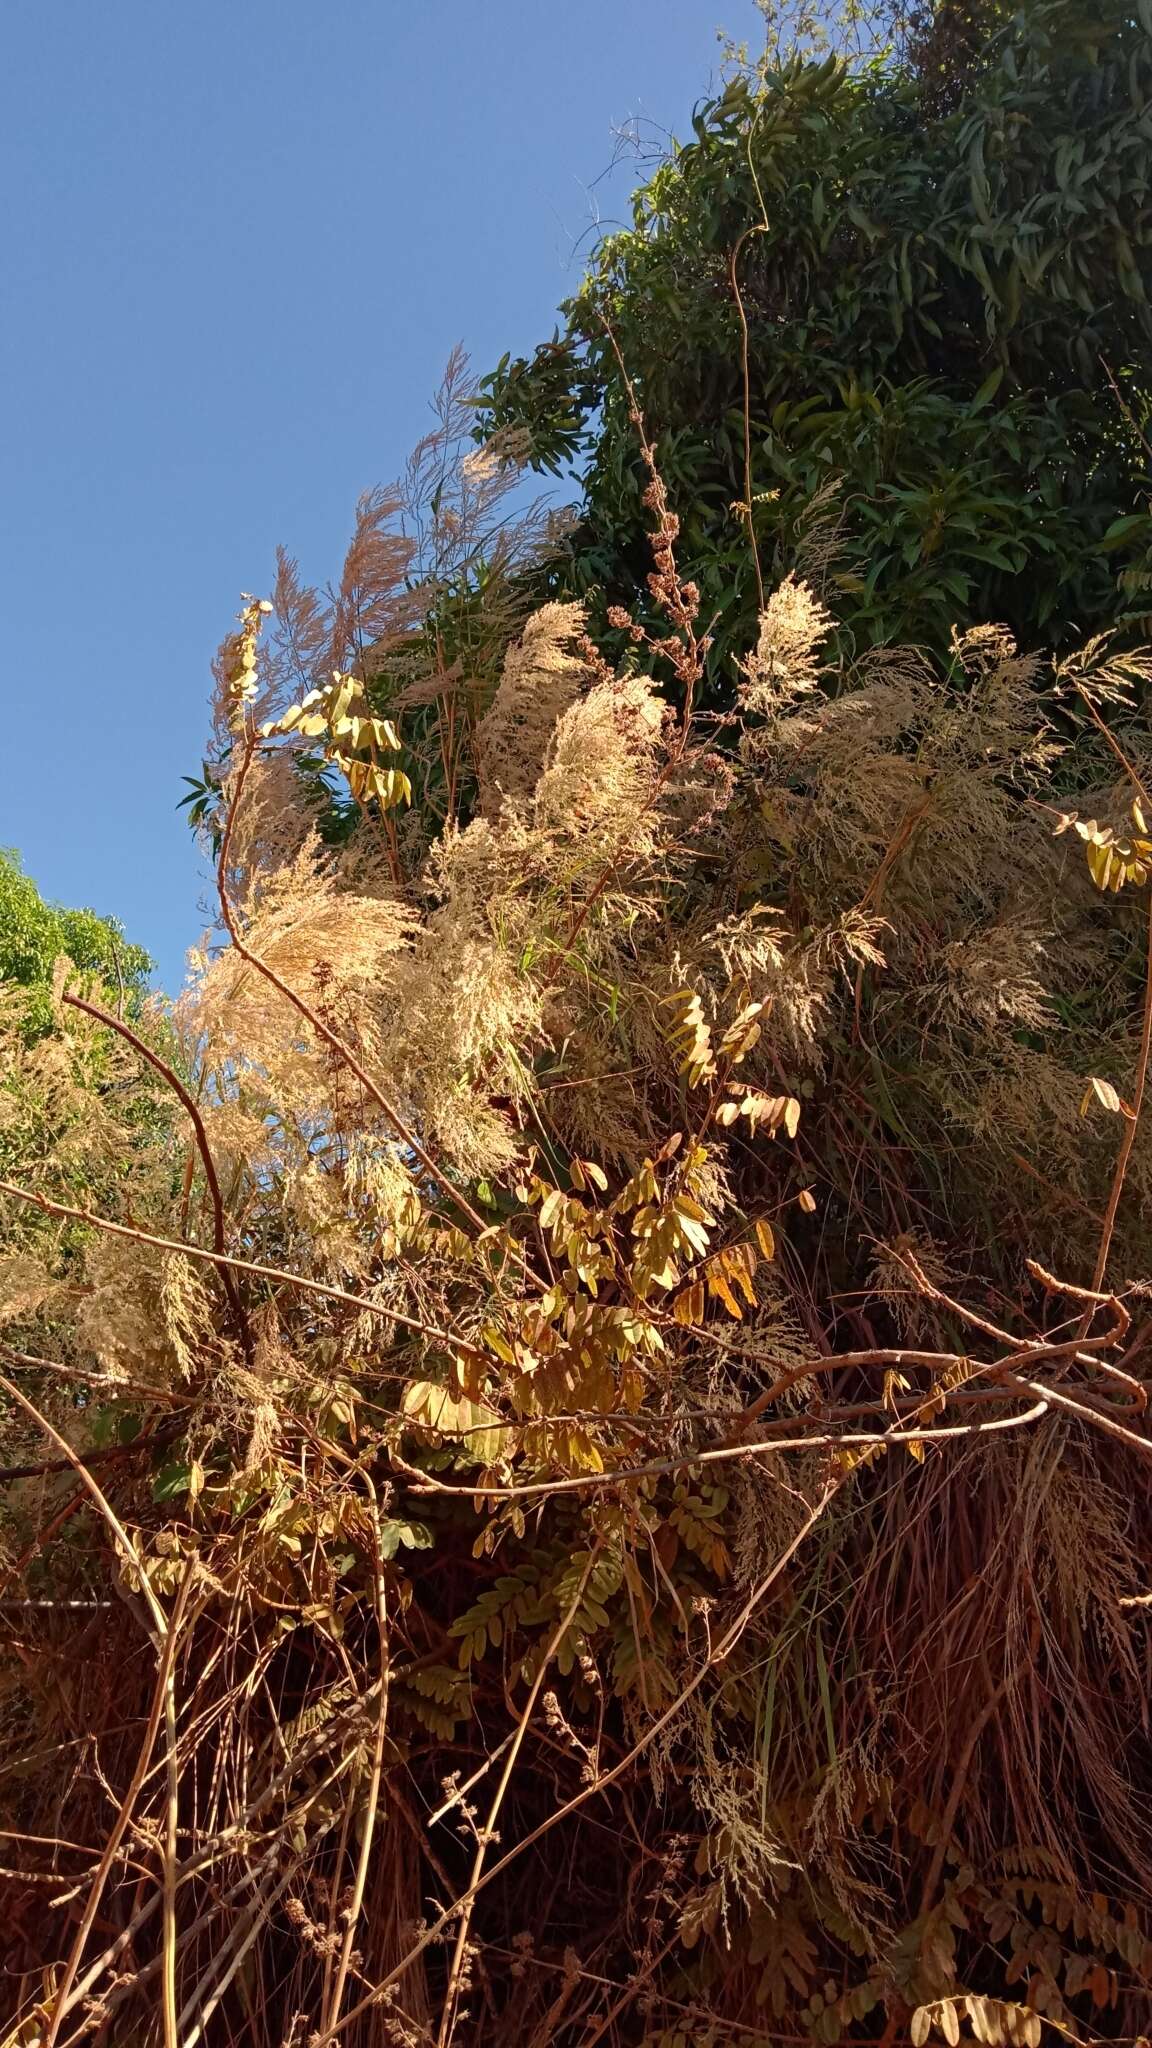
x=236, y=245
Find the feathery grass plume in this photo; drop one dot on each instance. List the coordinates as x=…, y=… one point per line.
x=542, y=676
x=462, y=1020
x=996, y=976
x=599, y=784
x=330, y=945
x=895, y=1280
x=374, y=596
x=25, y=1286
x=465, y=508
x=820, y=540
x=272, y=826
x=482, y=546
x=300, y=639
x=784, y=663
x=143, y=1314
x=442, y=572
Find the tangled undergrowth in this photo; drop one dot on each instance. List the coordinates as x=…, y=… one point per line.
x=575, y=1455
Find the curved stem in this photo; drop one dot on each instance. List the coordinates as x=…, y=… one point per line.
x=323, y=1031
x=756, y=229
x=1131, y=1122
x=280, y=1273
x=192, y=1110
x=487, y=1833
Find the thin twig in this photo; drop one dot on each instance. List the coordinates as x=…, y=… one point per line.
x=192, y=1110
x=279, y=1273
x=372, y=1801
x=487, y=1834
x=719, y=1650
x=1131, y=1121
x=324, y=1031
x=161, y=1709
x=723, y=1453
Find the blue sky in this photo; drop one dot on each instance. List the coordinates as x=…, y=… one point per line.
x=237, y=244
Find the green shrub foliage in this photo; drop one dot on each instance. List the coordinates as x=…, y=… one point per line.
x=942, y=311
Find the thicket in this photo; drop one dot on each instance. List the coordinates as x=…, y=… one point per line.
x=584, y=1475
x=919, y=287
x=35, y=934
x=36, y=1111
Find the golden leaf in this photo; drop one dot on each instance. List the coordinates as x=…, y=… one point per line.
x=718, y=1285
x=436, y=1407
x=688, y=1307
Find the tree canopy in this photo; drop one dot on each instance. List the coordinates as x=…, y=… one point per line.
x=899, y=323
x=34, y=934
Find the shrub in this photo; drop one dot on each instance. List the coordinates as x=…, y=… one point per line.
x=890, y=320
x=621, y=1454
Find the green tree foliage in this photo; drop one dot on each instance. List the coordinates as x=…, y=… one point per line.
x=34, y=934
x=70, y=1093
x=921, y=284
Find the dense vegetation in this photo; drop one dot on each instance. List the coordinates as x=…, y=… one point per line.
x=576, y=1455
x=35, y=934
x=42, y=948
x=915, y=296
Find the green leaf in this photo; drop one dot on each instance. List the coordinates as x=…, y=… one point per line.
x=171, y=1482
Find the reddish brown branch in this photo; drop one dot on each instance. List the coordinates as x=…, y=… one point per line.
x=323, y=1031
x=192, y=1110
x=359, y=1302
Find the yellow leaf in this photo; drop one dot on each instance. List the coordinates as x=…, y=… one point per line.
x=1104, y=1092
x=436, y=1407
x=739, y=1262
x=742, y=1033
x=688, y=1307
x=585, y=1174
x=807, y=1201
x=765, y=1238
x=718, y=1285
